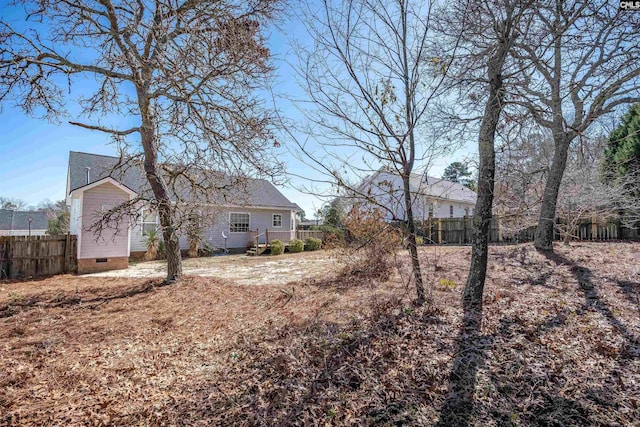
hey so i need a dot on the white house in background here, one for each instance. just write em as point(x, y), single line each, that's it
point(23, 223)
point(96, 184)
point(432, 197)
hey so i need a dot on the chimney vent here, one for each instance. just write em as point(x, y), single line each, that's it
point(88, 176)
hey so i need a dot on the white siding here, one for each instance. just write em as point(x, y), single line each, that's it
point(75, 216)
point(110, 243)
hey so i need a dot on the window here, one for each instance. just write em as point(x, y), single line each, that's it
point(238, 222)
point(466, 211)
point(277, 220)
point(148, 221)
point(451, 211)
point(430, 210)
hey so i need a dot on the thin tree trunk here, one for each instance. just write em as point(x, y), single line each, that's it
point(546, 222)
point(159, 188)
point(413, 250)
point(472, 295)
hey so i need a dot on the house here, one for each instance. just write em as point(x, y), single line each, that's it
point(23, 223)
point(97, 183)
point(432, 197)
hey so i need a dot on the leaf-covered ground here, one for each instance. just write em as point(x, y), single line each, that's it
point(560, 345)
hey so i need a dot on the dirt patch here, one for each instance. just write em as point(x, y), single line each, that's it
point(560, 347)
point(242, 269)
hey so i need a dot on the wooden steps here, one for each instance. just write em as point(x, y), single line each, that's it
point(257, 250)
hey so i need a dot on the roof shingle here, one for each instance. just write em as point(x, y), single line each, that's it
point(85, 168)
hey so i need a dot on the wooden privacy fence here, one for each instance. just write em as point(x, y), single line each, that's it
point(305, 234)
point(25, 256)
point(459, 231)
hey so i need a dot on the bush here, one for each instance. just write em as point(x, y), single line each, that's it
point(419, 240)
point(372, 243)
point(296, 245)
point(332, 234)
point(277, 247)
point(313, 244)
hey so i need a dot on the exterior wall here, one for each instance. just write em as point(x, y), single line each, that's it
point(91, 265)
point(109, 244)
point(260, 219)
point(219, 223)
point(442, 209)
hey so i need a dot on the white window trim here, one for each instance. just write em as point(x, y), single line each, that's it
point(240, 213)
point(451, 211)
point(273, 220)
point(142, 222)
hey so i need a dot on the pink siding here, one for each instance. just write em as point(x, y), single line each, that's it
point(109, 244)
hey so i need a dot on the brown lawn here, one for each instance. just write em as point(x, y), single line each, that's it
point(560, 345)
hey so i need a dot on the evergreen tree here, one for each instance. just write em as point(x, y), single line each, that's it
point(622, 155)
point(459, 172)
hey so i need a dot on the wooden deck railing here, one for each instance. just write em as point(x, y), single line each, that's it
point(285, 236)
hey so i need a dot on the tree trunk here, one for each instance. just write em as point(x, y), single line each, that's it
point(159, 188)
point(546, 222)
point(413, 250)
point(193, 249)
point(474, 288)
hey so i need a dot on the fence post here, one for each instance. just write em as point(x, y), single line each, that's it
point(499, 229)
point(594, 227)
point(439, 230)
point(266, 236)
point(464, 229)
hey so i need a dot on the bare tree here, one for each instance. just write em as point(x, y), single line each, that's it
point(13, 203)
point(578, 63)
point(181, 74)
point(370, 79)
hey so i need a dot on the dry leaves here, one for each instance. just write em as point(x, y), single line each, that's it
point(560, 346)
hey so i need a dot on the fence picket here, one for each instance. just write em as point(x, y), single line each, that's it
point(25, 256)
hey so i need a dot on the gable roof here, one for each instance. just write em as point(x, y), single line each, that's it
point(256, 192)
point(19, 220)
point(422, 185)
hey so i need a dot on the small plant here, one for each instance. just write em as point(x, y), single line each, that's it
point(277, 247)
point(448, 284)
point(419, 240)
point(312, 244)
point(15, 298)
point(152, 240)
point(296, 245)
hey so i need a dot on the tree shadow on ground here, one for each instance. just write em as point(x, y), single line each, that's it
point(309, 373)
point(593, 300)
point(458, 407)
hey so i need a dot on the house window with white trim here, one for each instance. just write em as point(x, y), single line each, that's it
point(430, 210)
point(277, 220)
point(238, 222)
point(148, 221)
point(450, 211)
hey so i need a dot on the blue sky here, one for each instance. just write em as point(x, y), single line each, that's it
point(34, 152)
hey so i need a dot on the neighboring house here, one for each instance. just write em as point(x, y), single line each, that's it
point(432, 197)
point(23, 223)
point(95, 184)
